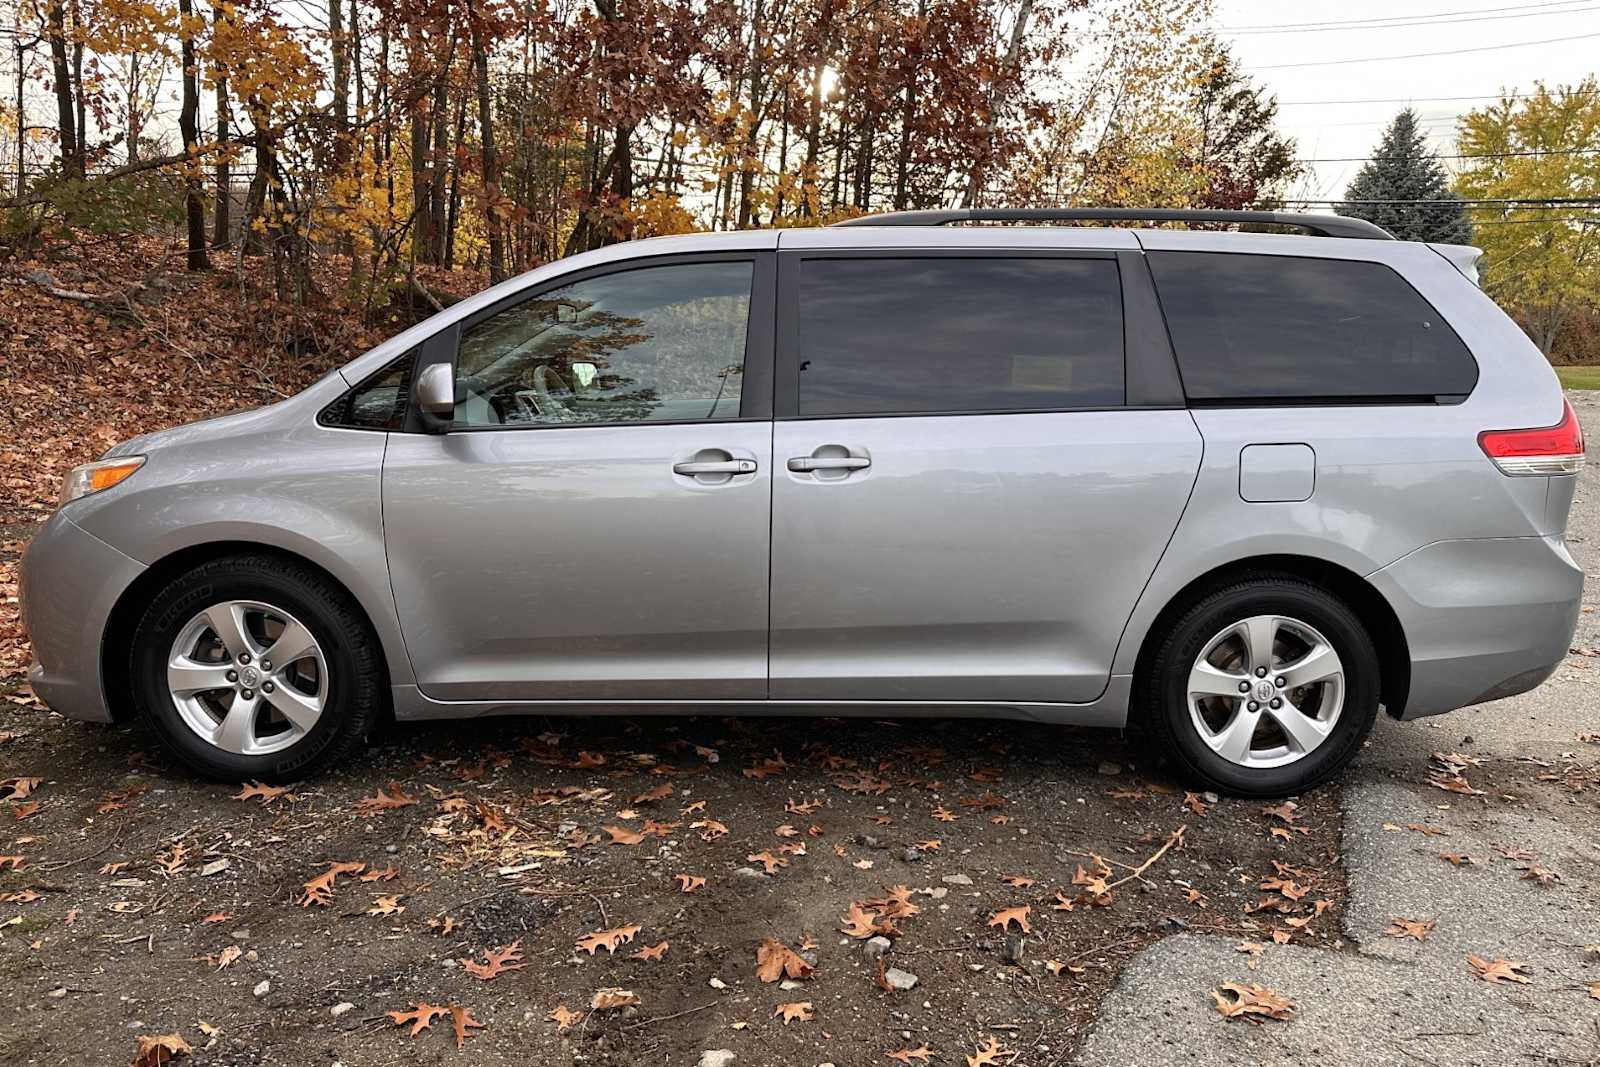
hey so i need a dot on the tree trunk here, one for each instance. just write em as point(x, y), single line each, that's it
point(438, 200)
point(490, 159)
point(255, 200)
point(188, 125)
point(908, 111)
point(222, 219)
point(747, 161)
point(809, 197)
point(61, 73)
point(1007, 71)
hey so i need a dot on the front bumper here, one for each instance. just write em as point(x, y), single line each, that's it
point(70, 581)
point(1485, 618)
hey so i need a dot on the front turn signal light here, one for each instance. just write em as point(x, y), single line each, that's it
point(97, 476)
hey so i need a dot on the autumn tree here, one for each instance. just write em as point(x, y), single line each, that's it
point(1541, 260)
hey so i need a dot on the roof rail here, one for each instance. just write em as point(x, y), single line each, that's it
point(1318, 225)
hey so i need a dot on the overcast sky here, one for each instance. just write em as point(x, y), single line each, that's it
point(1394, 28)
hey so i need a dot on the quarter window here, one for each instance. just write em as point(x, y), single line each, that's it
point(954, 334)
point(1261, 327)
point(379, 403)
point(653, 344)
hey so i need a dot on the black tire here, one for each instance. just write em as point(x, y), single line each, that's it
point(354, 697)
point(1161, 696)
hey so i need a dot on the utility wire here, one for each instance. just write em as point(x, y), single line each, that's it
point(1398, 23)
point(1395, 18)
point(1426, 55)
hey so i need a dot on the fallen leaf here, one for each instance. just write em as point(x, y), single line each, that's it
point(768, 860)
point(227, 956)
point(1427, 831)
point(1017, 881)
point(766, 768)
point(319, 890)
point(18, 788)
point(988, 1054)
point(421, 1016)
point(1006, 916)
point(216, 917)
point(463, 1022)
point(564, 1018)
point(710, 829)
point(774, 960)
point(906, 1055)
point(1499, 970)
point(159, 1050)
point(621, 835)
point(688, 883)
point(264, 793)
point(22, 811)
point(1193, 802)
point(496, 961)
point(1457, 858)
point(608, 939)
point(1285, 811)
point(396, 798)
point(1251, 1002)
point(387, 874)
point(1416, 929)
point(859, 923)
point(944, 814)
point(799, 1009)
point(1543, 875)
point(654, 952)
point(386, 906)
point(786, 831)
point(612, 997)
point(660, 792)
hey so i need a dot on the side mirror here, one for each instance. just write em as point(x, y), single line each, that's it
point(436, 390)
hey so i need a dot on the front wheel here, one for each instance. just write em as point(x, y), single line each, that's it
point(254, 667)
point(1264, 688)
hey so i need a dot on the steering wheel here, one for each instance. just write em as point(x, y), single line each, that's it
point(551, 392)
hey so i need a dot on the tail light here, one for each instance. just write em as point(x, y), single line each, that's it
point(1554, 449)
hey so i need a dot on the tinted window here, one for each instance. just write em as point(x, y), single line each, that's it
point(954, 334)
point(647, 345)
point(1261, 327)
point(379, 403)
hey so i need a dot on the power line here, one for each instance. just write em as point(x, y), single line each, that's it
point(1407, 21)
point(1475, 155)
point(1395, 18)
point(1426, 55)
point(1418, 99)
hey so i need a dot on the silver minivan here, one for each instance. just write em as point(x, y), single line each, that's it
point(1239, 489)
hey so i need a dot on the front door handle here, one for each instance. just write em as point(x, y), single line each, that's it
point(719, 466)
point(807, 464)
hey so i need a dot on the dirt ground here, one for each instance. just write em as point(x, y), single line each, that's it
point(137, 883)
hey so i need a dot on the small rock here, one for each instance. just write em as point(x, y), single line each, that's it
point(749, 872)
point(1013, 949)
point(262, 989)
point(1209, 797)
point(868, 841)
point(1108, 768)
point(391, 849)
point(214, 867)
point(716, 1057)
point(717, 983)
point(1175, 924)
point(57, 993)
point(912, 855)
point(788, 984)
point(956, 879)
point(875, 947)
point(340, 1008)
point(898, 979)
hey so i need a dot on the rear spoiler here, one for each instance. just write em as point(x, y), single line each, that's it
point(1463, 258)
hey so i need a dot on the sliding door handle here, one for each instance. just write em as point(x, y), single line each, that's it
point(806, 464)
point(716, 466)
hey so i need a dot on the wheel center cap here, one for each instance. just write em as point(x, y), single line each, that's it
point(1265, 690)
point(250, 677)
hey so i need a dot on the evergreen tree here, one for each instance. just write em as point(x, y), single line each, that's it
point(1404, 168)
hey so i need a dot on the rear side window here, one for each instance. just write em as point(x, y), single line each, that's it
point(1259, 327)
point(952, 334)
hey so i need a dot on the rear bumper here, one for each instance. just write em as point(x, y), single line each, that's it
point(1485, 619)
point(70, 581)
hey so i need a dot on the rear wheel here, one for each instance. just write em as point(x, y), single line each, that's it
point(253, 667)
point(1266, 687)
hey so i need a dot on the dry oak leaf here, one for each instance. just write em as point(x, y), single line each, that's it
point(710, 829)
point(654, 952)
point(988, 1054)
point(786, 831)
point(906, 1055)
point(387, 874)
point(799, 1009)
point(18, 788)
point(22, 811)
point(386, 906)
point(608, 939)
point(944, 814)
point(649, 796)
point(421, 1016)
point(1457, 858)
point(1499, 970)
point(621, 835)
point(860, 923)
point(1063, 902)
point(688, 883)
point(159, 1050)
point(802, 809)
point(226, 956)
point(1533, 872)
point(564, 1018)
point(768, 860)
point(395, 798)
point(766, 768)
point(1594, 990)
point(216, 917)
point(1285, 811)
point(462, 1022)
point(496, 961)
point(1193, 802)
point(264, 793)
point(319, 890)
point(1055, 967)
point(1251, 1002)
point(776, 960)
point(1017, 881)
point(612, 997)
point(1006, 916)
point(1416, 929)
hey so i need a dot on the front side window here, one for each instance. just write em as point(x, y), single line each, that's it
point(956, 334)
point(1250, 327)
point(655, 344)
point(379, 403)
